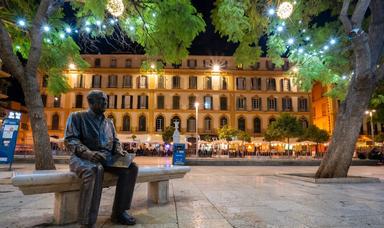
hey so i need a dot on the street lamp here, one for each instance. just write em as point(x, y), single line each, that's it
point(197, 125)
point(370, 113)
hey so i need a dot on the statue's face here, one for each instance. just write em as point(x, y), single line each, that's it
point(99, 104)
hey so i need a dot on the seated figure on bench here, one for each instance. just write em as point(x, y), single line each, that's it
point(91, 138)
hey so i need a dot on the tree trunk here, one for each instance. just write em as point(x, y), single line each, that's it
point(41, 142)
point(338, 158)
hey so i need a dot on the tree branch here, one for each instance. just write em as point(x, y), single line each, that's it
point(344, 18)
point(6, 54)
point(376, 30)
point(359, 12)
point(46, 8)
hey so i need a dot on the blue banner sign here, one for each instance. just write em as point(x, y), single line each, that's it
point(8, 137)
point(178, 154)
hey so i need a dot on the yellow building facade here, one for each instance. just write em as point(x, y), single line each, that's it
point(144, 104)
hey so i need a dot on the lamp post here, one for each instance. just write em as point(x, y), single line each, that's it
point(370, 113)
point(197, 127)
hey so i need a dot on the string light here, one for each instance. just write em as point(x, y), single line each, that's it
point(98, 23)
point(332, 42)
point(62, 35)
point(46, 28)
point(68, 30)
point(115, 7)
point(87, 29)
point(21, 23)
point(280, 28)
point(271, 11)
point(307, 38)
point(285, 10)
point(291, 41)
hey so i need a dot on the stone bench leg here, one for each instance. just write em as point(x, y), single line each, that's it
point(65, 208)
point(158, 192)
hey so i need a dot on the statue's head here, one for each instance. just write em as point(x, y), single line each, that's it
point(97, 101)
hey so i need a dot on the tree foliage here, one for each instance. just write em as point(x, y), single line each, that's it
point(314, 134)
point(244, 136)
point(286, 126)
point(227, 133)
point(167, 134)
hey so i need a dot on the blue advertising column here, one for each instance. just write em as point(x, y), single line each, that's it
point(8, 137)
point(178, 154)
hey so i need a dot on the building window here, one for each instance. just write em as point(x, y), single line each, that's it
point(126, 123)
point(191, 102)
point(44, 99)
point(256, 103)
point(97, 62)
point(96, 81)
point(285, 85)
point(208, 103)
point(241, 83)
point(127, 101)
point(112, 81)
point(176, 102)
point(256, 83)
point(270, 65)
point(127, 81)
point(208, 82)
point(142, 82)
point(271, 84)
point(192, 63)
point(45, 81)
point(176, 66)
point(79, 81)
point(112, 101)
point(142, 123)
point(192, 82)
point(176, 82)
point(304, 122)
point(56, 101)
point(55, 121)
point(128, 63)
point(79, 101)
point(142, 102)
point(303, 104)
point(287, 104)
point(223, 103)
point(241, 103)
point(207, 123)
point(159, 124)
point(161, 82)
point(224, 83)
point(256, 125)
point(223, 121)
point(174, 119)
point(160, 102)
point(272, 104)
point(113, 62)
point(191, 124)
point(241, 124)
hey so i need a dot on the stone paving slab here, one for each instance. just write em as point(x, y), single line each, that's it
point(227, 197)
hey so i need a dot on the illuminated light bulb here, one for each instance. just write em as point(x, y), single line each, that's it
point(301, 50)
point(344, 77)
point(295, 69)
point(285, 10)
point(152, 66)
point(291, 41)
point(68, 30)
point(87, 29)
point(326, 47)
point(271, 12)
point(62, 35)
point(104, 26)
point(216, 68)
point(98, 23)
point(115, 7)
point(307, 38)
point(304, 30)
point(21, 22)
point(18, 47)
point(112, 21)
point(300, 22)
point(131, 28)
point(153, 14)
point(332, 42)
point(280, 28)
point(56, 98)
point(72, 66)
point(46, 28)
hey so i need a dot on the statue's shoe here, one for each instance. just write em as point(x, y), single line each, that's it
point(124, 219)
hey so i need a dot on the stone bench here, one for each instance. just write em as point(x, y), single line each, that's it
point(66, 186)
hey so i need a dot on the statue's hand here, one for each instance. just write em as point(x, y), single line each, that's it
point(97, 157)
point(122, 153)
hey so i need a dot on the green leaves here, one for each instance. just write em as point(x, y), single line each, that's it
point(286, 126)
point(314, 134)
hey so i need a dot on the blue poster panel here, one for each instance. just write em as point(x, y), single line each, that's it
point(8, 137)
point(178, 154)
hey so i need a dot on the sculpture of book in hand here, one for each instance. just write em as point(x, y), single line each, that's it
point(121, 161)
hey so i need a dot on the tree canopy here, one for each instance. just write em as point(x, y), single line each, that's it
point(286, 126)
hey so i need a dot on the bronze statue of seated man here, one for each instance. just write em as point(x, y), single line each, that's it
point(92, 140)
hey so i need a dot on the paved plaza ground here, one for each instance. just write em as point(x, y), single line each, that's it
point(224, 196)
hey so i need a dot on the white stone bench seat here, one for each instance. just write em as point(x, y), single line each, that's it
point(66, 186)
